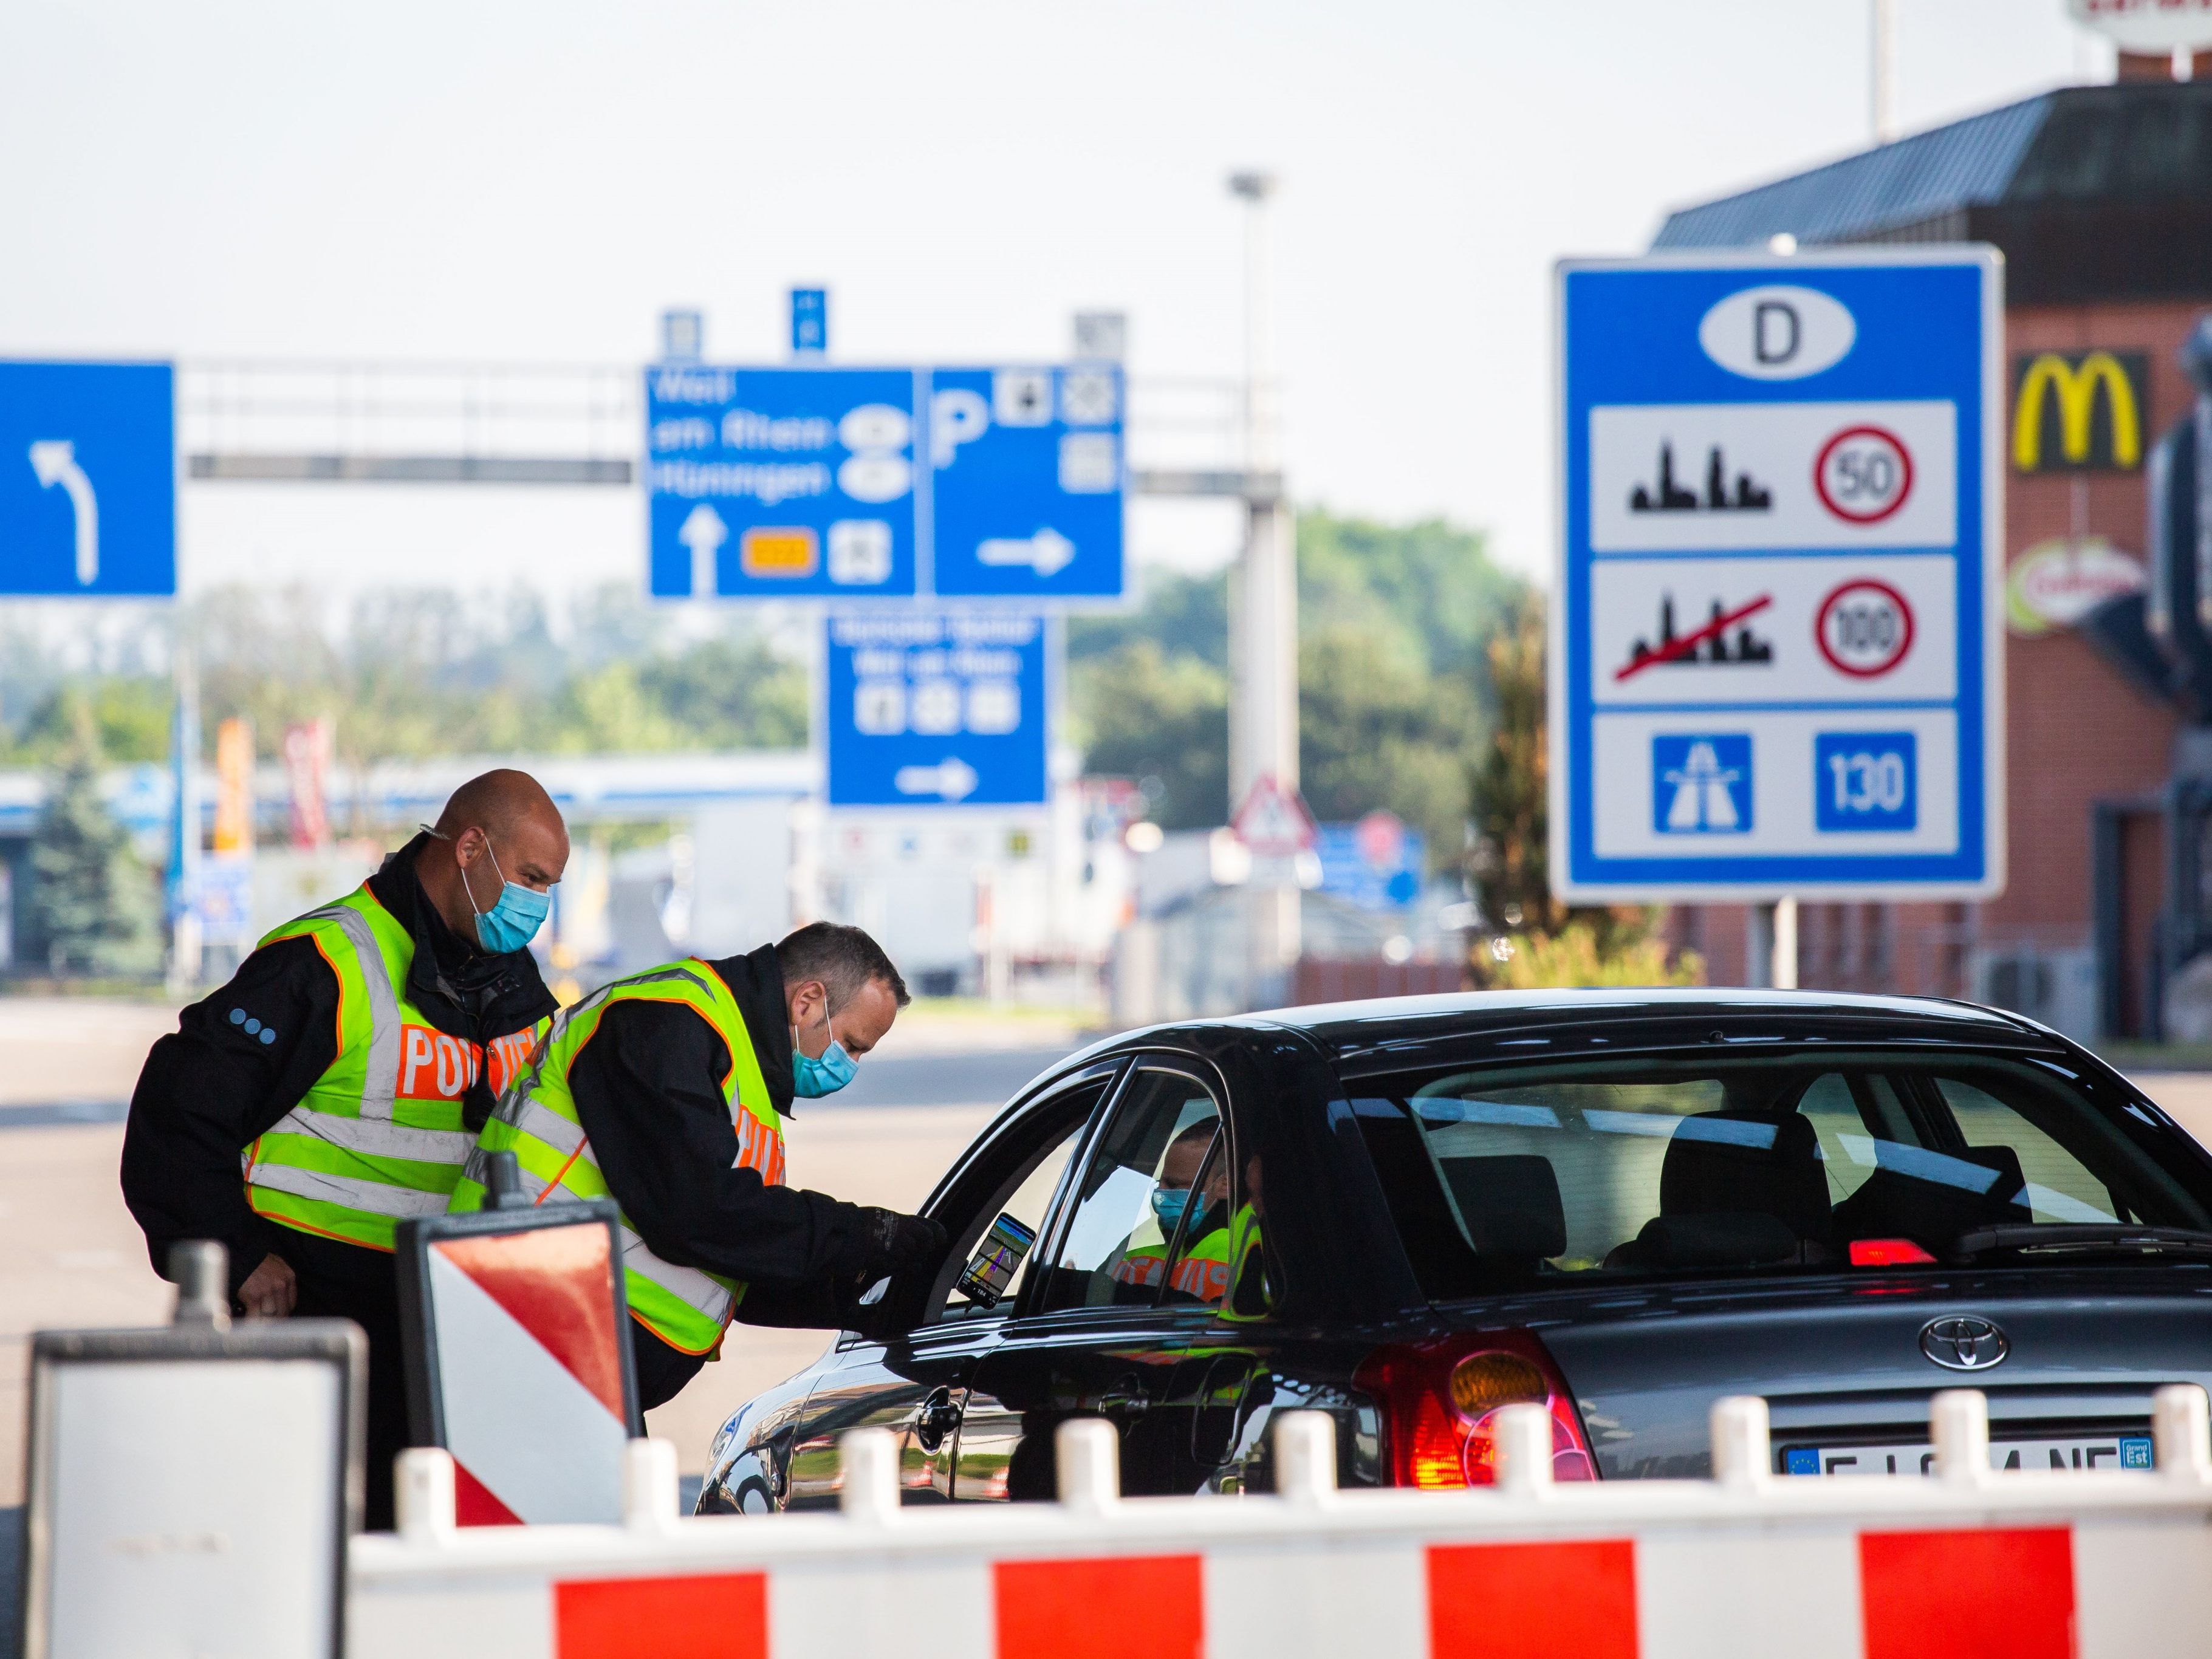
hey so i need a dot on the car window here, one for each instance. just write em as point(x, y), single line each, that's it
point(1023, 1193)
point(2056, 1185)
point(1155, 1191)
point(1778, 1163)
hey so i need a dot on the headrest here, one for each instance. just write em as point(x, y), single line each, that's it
point(1742, 1239)
point(1736, 1162)
point(1511, 1204)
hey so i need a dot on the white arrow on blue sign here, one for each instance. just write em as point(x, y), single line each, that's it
point(1027, 497)
point(88, 479)
point(1778, 662)
point(936, 708)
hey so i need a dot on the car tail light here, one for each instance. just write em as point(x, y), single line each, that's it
point(1887, 1253)
point(1440, 1401)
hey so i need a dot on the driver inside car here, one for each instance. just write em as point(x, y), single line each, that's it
point(1192, 1195)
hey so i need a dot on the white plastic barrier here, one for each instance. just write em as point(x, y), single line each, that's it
point(1968, 1564)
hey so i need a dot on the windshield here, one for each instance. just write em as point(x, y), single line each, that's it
point(1778, 1161)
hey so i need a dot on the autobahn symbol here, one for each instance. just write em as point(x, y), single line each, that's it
point(1864, 474)
point(1863, 627)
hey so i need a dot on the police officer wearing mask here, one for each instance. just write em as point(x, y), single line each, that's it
point(344, 1073)
point(669, 1091)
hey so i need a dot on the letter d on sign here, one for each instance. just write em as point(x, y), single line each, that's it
point(1777, 333)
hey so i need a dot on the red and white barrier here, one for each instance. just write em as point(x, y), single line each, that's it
point(1968, 1563)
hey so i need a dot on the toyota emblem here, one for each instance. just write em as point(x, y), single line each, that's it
point(1963, 1342)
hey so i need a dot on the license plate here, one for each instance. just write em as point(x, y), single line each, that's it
point(2123, 1451)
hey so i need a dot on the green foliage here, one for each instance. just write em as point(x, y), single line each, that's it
point(1375, 729)
point(1393, 686)
point(1508, 803)
point(417, 673)
point(1543, 943)
point(93, 905)
point(1589, 950)
point(1165, 720)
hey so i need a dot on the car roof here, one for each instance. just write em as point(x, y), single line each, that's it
point(1518, 1021)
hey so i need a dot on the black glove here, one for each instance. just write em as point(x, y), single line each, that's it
point(891, 1243)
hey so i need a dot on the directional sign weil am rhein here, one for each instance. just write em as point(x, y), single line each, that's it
point(1776, 664)
point(986, 483)
point(936, 708)
point(782, 482)
point(88, 479)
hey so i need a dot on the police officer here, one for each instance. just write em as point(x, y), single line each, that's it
point(344, 1071)
point(670, 1090)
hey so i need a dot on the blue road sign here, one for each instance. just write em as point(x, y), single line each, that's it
point(810, 321)
point(1026, 501)
point(1779, 666)
point(781, 483)
point(88, 479)
point(936, 708)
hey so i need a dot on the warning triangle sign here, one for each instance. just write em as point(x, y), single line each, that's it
point(1274, 822)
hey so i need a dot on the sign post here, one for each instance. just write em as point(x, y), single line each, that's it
point(1777, 667)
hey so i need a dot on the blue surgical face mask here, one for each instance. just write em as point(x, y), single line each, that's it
point(1171, 1204)
point(813, 1076)
point(514, 918)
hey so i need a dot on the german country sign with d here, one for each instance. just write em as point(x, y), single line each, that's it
point(1776, 657)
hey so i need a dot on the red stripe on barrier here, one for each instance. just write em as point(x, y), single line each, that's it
point(1489, 1600)
point(721, 1615)
point(475, 1504)
point(557, 1282)
point(1999, 1594)
point(1128, 1607)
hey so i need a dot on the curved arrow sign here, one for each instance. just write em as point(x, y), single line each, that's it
point(54, 459)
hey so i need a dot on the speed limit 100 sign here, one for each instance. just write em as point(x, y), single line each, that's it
point(1864, 627)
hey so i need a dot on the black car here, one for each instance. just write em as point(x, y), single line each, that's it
point(1622, 1205)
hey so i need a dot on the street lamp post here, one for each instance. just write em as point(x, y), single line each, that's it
point(1263, 641)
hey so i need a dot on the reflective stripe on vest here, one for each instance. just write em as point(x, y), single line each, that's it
point(1202, 1271)
point(379, 1135)
point(537, 1121)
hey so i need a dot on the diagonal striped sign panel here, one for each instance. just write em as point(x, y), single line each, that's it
point(529, 1344)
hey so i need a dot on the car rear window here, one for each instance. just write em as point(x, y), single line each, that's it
point(1779, 1162)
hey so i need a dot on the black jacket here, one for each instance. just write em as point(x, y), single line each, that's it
point(648, 1088)
point(208, 1090)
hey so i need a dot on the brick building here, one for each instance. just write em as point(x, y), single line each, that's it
point(2101, 200)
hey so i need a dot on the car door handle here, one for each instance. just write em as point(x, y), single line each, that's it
point(1127, 1396)
point(940, 1416)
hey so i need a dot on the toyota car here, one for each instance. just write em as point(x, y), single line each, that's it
point(1619, 1206)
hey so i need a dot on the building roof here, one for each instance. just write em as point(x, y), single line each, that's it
point(2092, 192)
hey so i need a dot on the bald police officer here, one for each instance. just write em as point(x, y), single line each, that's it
point(336, 1084)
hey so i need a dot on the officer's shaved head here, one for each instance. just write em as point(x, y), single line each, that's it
point(499, 827)
point(499, 803)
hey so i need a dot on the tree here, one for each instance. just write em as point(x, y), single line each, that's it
point(93, 904)
point(1539, 941)
point(1393, 685)
point(1375, 730)
point(1163, 721)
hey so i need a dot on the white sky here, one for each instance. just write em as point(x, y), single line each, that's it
point(534, 182)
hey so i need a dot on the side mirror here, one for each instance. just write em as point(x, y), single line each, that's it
point(997, 1257)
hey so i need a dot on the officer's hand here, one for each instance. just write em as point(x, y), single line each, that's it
point(270, 1290)
point(895, 1243)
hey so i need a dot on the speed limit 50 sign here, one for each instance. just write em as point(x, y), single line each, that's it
point(1777, 642)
